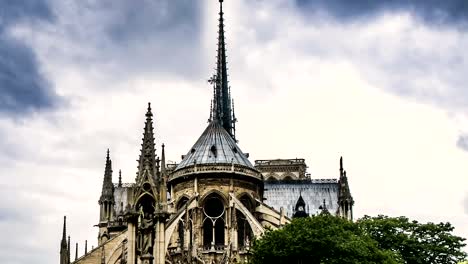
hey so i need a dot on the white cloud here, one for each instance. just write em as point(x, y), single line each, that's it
point(378, 92)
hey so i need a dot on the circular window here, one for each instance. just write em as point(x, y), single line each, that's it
point(146, 186)
point(213, 207)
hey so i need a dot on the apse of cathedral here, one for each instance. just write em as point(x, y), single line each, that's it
point(209, 206)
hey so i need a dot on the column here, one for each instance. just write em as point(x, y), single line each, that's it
point(131, 243)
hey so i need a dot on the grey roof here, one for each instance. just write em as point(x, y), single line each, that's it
point(313, 192)
point(215, 146)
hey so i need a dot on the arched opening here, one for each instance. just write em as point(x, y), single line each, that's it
point(247, 202)
point(182, 202)
point(146, 204)
point(244, 232)
point(213, 222)
point(271, 179)
point(288, 179)
point(207, 233)
point(180, 228)
point(145, 229)
point(219, 232)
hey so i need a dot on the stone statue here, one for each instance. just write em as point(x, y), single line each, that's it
point(146, 228)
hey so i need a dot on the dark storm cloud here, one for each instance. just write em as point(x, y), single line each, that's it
point(169, 30)
point(432, 11)
point(124, 38)
point(462, 142)
point(152, 17)
point(13, 10)
point(23, 87)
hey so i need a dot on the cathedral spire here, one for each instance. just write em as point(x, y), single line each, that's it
point(106, 201)
point(64, 234)
point(147, 160)
point(63, 244)
point(222, 104)
point(345, 199)
point(163, 178)
point(107, 185)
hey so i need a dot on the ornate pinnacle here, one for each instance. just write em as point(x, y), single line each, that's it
point(221, 104)
point(69, 249)
point(163, 160)
point(107, 185)
point(120, 179)
point(341, 166)
point(149, 115)
point(147, 160)
point(64, 235)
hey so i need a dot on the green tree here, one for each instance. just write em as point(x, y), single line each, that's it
point(319, 239)
point(415, 242)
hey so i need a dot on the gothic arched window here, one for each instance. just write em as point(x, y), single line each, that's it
point(213, 222)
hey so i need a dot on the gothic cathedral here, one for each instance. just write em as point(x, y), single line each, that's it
point(209, 206)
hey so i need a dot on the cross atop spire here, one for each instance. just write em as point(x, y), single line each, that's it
point(222, 111)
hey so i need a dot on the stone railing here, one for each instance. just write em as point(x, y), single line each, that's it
point(215, 168)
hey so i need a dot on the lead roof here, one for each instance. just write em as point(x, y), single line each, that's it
point(313, 192)
point(215, 146)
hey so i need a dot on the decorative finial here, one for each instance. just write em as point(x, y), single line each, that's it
point(163, 159)
point(120, 178)
point(69, 249)
point(86, 247)
point(64, 235)
point(148, 112)
point(76, 252)
point(341, 166)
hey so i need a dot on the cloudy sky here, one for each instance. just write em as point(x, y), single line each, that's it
point(382, 83)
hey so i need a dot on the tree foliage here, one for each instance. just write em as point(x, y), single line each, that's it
point(319, 239)
point(327, 239)
point(415, 242)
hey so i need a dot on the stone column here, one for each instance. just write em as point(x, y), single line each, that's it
point(131, 242)
point(162, 241)
point(159, 248)
point(196, 228)
point(185, 246)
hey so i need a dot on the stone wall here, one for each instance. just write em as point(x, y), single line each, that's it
point(112, 250)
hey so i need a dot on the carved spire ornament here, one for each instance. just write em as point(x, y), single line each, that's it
point(147, 160)
point(64, 249)
point(106, 201)
point(221, 110)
